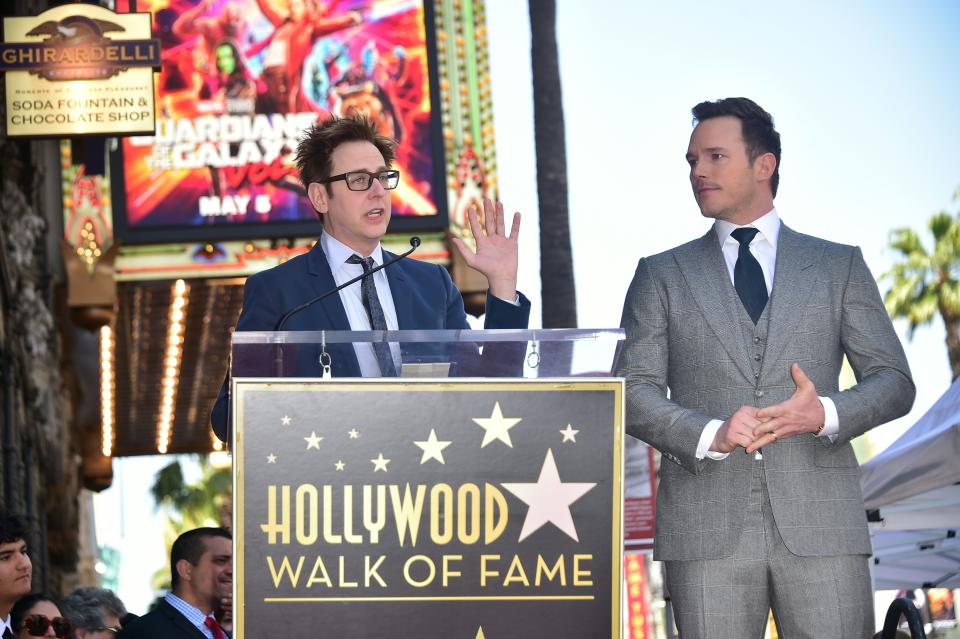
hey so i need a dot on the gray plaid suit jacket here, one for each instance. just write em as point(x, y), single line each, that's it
point(685, 332)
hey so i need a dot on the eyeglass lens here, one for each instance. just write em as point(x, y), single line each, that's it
point(361, 181)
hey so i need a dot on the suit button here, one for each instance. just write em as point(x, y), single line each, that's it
point(758, 394)
point(756, 357)
point(756, 340)
point(756, 375)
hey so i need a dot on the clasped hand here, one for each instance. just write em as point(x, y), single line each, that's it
point(752, 428)
point(496, 255)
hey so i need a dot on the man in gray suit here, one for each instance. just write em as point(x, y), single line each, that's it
point(759, 505)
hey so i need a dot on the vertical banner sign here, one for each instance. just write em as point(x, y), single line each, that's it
point(637, 611)
point(79, 69)
point(455, 509)
point(639, 504)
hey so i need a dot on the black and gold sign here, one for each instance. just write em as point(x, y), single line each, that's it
point(428, 509)
point(79, 69)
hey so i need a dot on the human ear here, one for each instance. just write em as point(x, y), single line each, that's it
point(318, 196)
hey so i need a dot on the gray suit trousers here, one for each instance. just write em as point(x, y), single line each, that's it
point(811, 597)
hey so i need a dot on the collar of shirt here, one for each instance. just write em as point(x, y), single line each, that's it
point(5, 624)
point(338, 253)
point(193, 614)
point(763, 246)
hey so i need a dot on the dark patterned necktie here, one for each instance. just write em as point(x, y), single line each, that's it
point(748, 276)
point(371, 302)
point(7, 634)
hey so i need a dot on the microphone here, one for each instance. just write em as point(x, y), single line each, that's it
point(414, 244)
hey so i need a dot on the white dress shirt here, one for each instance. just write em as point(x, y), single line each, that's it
point(4, 625)
point(337, 255)
point(764, 248)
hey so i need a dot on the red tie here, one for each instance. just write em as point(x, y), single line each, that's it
point(215, 628)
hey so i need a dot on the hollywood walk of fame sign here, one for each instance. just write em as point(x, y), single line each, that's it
point(454, 509)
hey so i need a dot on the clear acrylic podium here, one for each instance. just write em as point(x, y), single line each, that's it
point(477, 494)
point(543, 353)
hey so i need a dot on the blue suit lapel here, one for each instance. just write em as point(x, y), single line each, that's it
point(329, 314)
point(335, 318)
point(402, 294)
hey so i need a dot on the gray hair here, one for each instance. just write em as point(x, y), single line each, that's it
point(86, 607)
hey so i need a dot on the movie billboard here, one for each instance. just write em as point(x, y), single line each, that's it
point(240, 81)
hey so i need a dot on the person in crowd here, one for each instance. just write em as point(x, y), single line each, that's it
point(201, 572)
point(37, 615)
point(94, 613)
point(16, 570)
point(345, 167)
point(759, 504)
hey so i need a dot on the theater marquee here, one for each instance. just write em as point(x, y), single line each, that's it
point(460, 509)
point(79, 69)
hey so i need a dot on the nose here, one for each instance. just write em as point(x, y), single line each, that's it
point(698, 169)
point(376, 189)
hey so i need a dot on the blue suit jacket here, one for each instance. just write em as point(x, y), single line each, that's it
point(424, 295)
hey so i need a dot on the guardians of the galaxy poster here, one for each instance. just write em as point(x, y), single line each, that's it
point(241, 79)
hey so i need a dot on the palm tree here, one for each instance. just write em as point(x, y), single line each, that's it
point(925, 283)
point(206, 502)
point(559, 299)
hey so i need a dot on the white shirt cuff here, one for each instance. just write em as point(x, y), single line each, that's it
point(706, 438)
point(831, 421)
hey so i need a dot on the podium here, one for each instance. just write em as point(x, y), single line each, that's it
point(476, 495)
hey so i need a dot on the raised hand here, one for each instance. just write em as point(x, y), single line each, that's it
point(496, 255)
point(802, 413)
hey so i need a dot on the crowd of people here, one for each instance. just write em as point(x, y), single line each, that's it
point(199, 603)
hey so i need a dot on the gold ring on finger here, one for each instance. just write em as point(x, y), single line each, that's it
point(773, 434)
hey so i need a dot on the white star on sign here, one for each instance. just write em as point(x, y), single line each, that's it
point(313, 441)
point(549, 500)
point(432, 448)
point(271, 459)
point(340, 465)
point(569, 434)
point(496, 426)
point(285, 420)
point(354, 433)
point(380, 463)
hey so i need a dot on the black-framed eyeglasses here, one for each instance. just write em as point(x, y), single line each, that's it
point(363, 180)
point(36, 626)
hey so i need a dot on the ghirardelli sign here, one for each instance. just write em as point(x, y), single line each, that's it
point(456, 509)
point(79, 69)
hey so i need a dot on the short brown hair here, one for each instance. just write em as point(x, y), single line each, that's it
point(316, 147)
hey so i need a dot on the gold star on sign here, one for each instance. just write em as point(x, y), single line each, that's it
point(313, 441)
point(432, 448)
point(569, 434)
point(271, 459)
point(380, 463)
point(285, 420)
point(496, 426)
point(340, 465)
point(354, 433)
point(549, 500)
point(480, 634)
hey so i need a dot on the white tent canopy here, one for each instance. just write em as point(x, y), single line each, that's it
point(914, 487)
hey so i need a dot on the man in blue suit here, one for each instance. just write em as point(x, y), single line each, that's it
point(345, 167)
